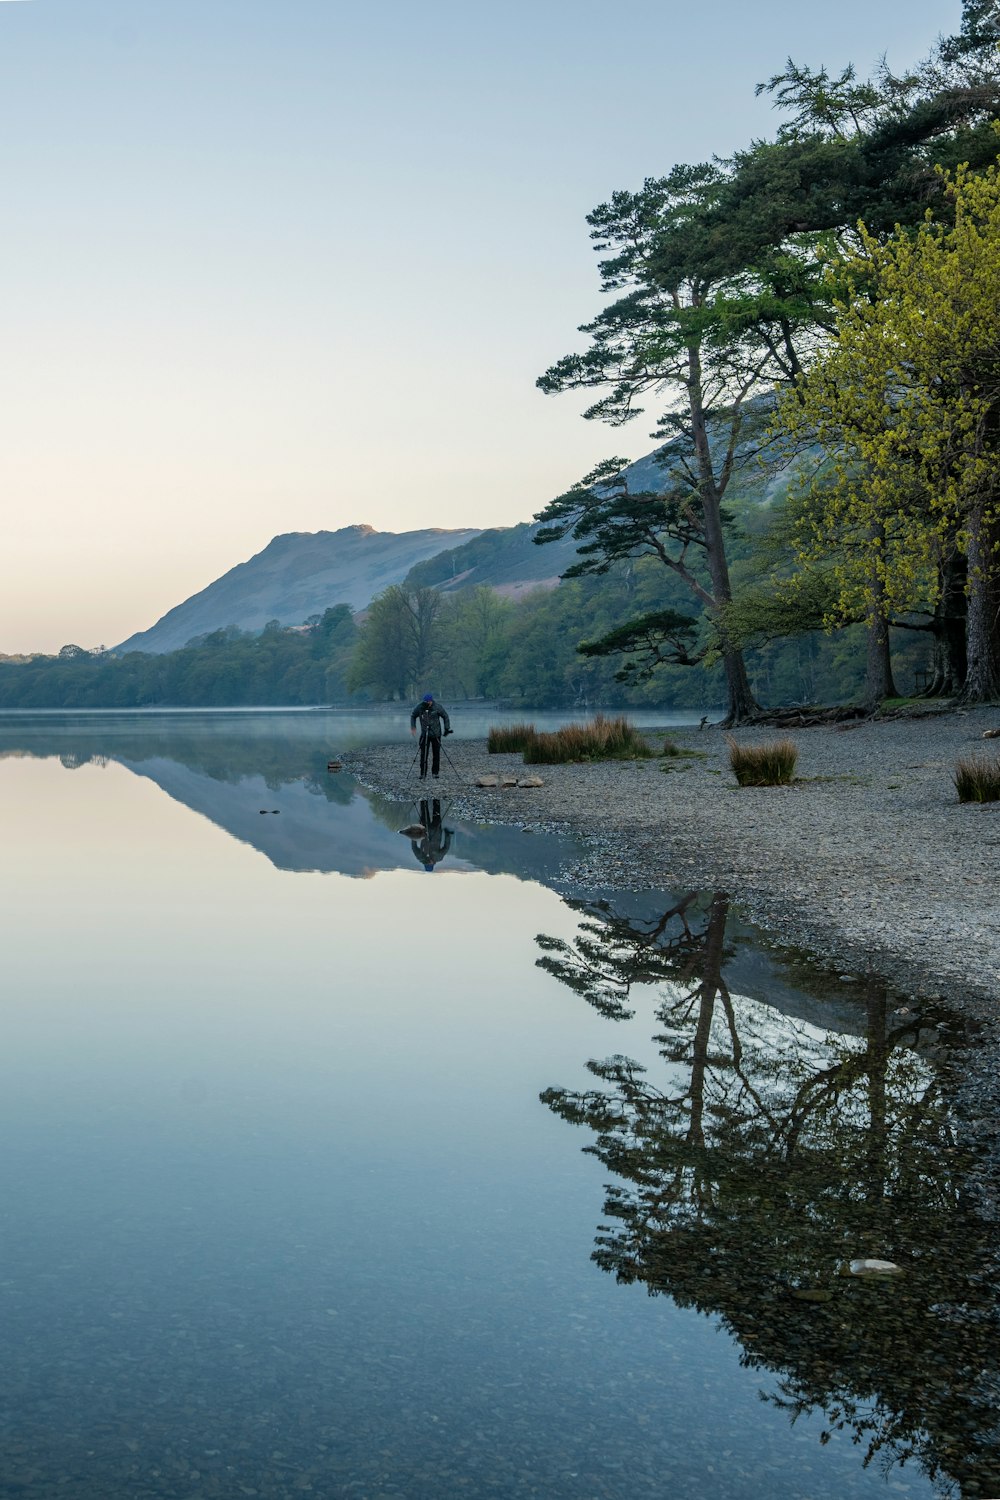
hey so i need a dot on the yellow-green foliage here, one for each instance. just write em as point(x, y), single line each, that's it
point(601, 739)
point(770, 764)
point(904, 405)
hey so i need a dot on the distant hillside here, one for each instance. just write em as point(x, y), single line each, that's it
point(297, 575)
point(504, 557)
point(507, 558)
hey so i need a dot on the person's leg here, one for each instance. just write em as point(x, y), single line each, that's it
point(423, 755)
point(436, 766)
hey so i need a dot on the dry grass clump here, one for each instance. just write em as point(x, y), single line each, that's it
point(770, 764)
point(601, 739)
point(977, 778)
point(509, 739)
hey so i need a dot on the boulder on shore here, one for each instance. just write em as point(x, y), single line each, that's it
point(487, 781)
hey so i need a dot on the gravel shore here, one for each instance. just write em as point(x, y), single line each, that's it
point(868, 859)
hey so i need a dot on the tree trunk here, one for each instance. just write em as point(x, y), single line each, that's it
point(982, 681)
point(949, 626)
point(879, 683)
point(741, 702)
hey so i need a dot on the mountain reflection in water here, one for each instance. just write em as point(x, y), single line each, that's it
point(767, 1155)
point(231, 768)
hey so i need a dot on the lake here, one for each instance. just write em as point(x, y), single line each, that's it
point(321, 1177)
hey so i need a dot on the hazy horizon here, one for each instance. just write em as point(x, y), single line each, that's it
point(280, 268)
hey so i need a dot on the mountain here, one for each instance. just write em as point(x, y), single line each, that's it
point(504, 557)
point(298, 574)
point(507, 559)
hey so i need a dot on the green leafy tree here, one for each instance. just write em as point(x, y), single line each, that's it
point(907, 400)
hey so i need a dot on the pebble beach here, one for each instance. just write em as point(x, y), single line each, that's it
point(868, 858)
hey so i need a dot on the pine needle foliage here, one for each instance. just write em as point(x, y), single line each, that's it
point(977, 778)
point(770, 764)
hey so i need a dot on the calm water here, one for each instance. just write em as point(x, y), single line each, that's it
point(321, 1177)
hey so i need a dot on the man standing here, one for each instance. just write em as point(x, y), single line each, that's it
point(432, 717)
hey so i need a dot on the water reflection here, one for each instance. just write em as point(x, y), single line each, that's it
point(231, 768)
point(766, 1155)
point(432, 847)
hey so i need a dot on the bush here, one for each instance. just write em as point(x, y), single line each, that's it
point(670, 749)
point(770, 764)
point(977, 778)
point(508, 739)
point(601, 739)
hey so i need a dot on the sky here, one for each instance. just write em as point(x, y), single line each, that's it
point(291, 265)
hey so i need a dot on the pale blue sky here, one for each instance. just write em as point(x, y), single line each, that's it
point(284, 265)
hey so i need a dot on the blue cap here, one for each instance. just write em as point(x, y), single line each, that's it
point(428, 698)
point(429, 867)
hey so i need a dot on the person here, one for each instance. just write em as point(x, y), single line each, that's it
point(432, 716)
point(436, 842)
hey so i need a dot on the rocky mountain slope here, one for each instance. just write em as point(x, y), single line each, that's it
point(298, 574)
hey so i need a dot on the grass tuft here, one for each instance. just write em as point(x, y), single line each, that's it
point(977, 778)
point(770, 764)
point(509, 739)
point(601, 739)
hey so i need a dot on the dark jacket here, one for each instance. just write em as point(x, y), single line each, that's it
point(431, 716)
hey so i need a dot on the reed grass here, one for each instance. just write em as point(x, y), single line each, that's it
point(977, 778)
point(509, 739)
point(770, 764)
point(601, 739)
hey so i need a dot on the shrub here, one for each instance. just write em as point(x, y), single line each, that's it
point(977, 778)
point(601, 739)
point(670, 749)
point(770, 764)
point(508, 739)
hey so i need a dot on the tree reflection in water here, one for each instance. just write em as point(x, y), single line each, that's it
point(766, 1157)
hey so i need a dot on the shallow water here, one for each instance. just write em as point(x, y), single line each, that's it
point(291, 1202)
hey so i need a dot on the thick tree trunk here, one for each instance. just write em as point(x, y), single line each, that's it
point(741, 702)
point(879, 683)
point(949, 626)
point(982, 681)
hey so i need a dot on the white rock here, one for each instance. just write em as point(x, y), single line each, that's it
point(486, 781)
point(875, 1268)
point(531, 781)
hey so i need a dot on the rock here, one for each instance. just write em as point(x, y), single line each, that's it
point(487, 781)
point(874, 1268)
point(991, 734)
point(508, 781)
point(812, 1294)
point(531, 781)
point(413, 831)
point(335, 765)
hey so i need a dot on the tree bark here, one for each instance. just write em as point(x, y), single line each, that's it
point(948, 627)
point(982, 681)
point(879, 683)
point(741, 702)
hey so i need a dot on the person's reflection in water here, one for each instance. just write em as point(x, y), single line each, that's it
point(432, 848)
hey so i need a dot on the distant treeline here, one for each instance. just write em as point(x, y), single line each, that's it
point(470, 644)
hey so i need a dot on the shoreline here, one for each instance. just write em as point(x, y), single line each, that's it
point(868, 860)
